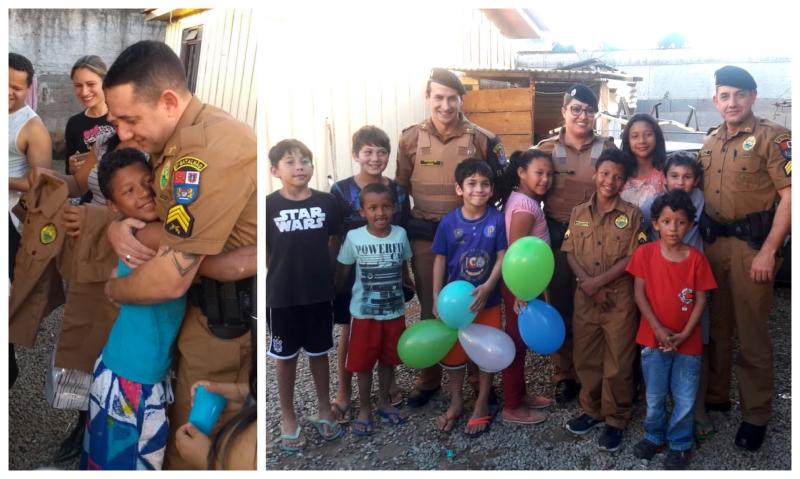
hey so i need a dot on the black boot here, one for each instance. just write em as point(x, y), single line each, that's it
point(71, 446)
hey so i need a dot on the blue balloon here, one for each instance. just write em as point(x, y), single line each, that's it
point(453, 304)
point(541, 327)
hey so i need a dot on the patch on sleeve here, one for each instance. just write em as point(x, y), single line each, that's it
point(164, 177)
point(179, 221)
point(784, 143)
point(500, 152)
point(566, 234)
point(787, 168)
point(186, 179)
point(48, 233)
point(641, 238)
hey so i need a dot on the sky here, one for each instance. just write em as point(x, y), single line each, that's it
point(766, 26)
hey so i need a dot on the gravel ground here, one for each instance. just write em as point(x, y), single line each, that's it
point(418, 445)
point(35, 429)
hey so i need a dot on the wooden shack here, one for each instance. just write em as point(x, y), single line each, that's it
point(523, 105)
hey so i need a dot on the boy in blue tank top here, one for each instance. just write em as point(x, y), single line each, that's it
point(127, 426)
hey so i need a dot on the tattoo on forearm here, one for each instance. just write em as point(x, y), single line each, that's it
point(184, 262)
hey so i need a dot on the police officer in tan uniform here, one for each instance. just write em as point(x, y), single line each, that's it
point(747, 169)
point(204, 176)
point(575, 150)
point(427, 157)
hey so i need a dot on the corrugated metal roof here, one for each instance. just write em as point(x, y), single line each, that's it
point(543, 74)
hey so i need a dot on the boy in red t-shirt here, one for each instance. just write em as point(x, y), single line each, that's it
point(671, 280)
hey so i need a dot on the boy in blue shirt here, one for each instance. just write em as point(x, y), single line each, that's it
point(127, 426)
point(380, 252)
point(469, 245)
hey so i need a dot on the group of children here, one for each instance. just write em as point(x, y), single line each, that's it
point(666, 279)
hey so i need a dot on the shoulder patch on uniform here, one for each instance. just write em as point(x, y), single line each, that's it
point(566, 234)
point(784, 142)
point(782, 137)
point(621, 221)
point(641, 237)
point(179, 221)
point(500, 152)
point(48, 233)
point(787, 168)
point(186, 179)
point(749, 143)
point(190, 161)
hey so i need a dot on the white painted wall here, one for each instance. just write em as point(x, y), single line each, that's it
point(226, 77)
point(334, 70)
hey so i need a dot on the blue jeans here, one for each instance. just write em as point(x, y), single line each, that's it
point(678, 374)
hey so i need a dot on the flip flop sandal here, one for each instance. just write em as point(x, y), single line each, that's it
point(704, 430)
point(448, 420)
point(398, 399)
point(337, 430)
point(343, 416)
point(362, 427)
point(392, 417)
point(288, 439)
point(477, 421)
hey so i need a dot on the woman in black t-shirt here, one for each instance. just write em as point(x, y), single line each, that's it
point(84, 128)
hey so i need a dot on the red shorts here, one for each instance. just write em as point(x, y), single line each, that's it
point(373, 340)
point(457, 358)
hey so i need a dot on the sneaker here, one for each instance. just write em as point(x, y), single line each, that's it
point(566, 391)
point(750, 437)
point(676, 460)
point(645, 449)
point(611, 439)
point(582, 424)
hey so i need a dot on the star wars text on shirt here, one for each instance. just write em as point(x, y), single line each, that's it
point(300, 219)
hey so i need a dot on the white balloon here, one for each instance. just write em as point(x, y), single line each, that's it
point(490, 348)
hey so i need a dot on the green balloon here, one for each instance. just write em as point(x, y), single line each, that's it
point(528, 267)
point(425, 343)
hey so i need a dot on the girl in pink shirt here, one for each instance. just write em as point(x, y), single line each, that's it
point(522, 188)
point(643, 139)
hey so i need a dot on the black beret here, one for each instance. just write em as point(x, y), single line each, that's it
point(736, 77)
point(448, 79)
point(582, 93)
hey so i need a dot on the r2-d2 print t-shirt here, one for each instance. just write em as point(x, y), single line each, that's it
point(299, 270)
point(471, 247)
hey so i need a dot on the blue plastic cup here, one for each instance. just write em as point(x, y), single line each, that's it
point(206, 409)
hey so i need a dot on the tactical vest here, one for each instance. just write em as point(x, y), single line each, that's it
point(433, 180)
point(573, 183)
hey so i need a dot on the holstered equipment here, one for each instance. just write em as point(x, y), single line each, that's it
point(228, 307)
point(752, 229)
